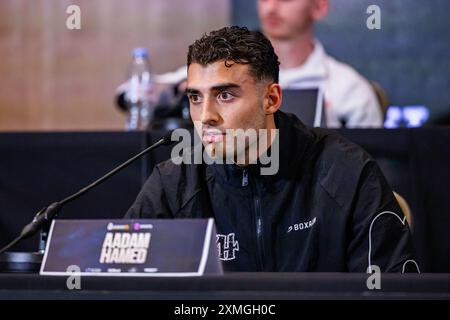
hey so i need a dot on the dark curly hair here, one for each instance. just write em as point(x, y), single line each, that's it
point(239, 45)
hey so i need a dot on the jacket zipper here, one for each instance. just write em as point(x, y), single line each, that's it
point(258, 218)
point(259, 232)
point(244, 178)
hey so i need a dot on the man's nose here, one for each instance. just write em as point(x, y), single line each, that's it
point(209, 114)
point(268, 6)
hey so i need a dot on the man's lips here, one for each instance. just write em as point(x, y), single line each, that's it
point(272, 21)
point(213, 136)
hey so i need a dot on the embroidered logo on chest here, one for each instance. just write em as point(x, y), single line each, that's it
point(302, 225)
point(227, 246)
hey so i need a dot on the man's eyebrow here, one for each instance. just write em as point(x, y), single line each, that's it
point(219, 87)
point(192, 91)
point(224, 86)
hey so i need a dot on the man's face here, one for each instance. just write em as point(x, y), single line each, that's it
point(224, 98)
point(285, 19)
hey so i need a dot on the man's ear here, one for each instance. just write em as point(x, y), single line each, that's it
point(320, 9)
point(273, 98)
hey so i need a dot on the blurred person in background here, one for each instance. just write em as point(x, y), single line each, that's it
point(350, 100)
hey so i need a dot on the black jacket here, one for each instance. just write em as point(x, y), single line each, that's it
point(315, 214)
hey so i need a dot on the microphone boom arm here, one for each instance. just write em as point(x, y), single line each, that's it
point(47, 214)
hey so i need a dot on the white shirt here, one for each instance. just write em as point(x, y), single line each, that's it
point(348, 96)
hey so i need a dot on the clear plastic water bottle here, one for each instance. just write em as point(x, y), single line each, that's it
point(140, 96)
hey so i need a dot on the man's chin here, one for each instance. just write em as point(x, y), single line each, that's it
point(279, 33)
point(214, 150)
point(218, 153)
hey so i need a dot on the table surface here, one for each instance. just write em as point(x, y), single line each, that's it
point(247, 286)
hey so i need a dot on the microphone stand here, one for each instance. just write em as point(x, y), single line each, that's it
point(30, 261)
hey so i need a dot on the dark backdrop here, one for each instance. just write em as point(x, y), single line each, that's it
point(37, 169)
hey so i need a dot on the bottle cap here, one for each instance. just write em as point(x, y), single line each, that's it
point(140, 52)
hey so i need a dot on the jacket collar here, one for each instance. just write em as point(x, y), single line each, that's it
point(314, 68)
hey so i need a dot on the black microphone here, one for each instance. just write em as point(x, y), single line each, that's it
point(47, 214)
